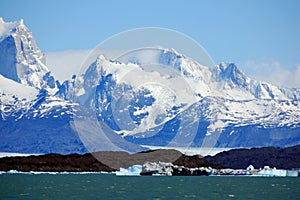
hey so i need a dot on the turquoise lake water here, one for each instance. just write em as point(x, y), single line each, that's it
point(108, 186)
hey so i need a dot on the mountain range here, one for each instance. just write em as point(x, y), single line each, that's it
point(148, 97)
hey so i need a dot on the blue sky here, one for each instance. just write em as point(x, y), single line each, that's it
point(262, 34)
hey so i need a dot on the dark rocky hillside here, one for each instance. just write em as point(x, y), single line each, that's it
point(54, 163)
point(100, 161)
point(281, 158)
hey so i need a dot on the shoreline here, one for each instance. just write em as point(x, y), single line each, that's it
point(12, 172)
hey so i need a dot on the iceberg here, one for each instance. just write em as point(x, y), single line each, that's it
point(158, 168)
point(134, 170)
point(267, 171)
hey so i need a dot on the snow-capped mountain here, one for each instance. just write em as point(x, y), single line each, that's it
point(20, 58)
point(224, 101)
point(150, 96)
point(32, 119)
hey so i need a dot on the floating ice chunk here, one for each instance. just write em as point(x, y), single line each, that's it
point(134, 170)
point(267, 171)
point(250, 168)
point(158, 168)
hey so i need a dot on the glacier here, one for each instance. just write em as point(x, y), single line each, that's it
point(151, 97)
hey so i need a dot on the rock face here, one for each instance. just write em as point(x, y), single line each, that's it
point(281, 158)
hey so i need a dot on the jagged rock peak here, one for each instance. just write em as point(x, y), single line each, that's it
point(20, 57)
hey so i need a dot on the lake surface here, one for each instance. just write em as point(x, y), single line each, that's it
point(109, 186)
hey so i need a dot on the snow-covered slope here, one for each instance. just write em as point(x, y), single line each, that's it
point(20, 58)
point(14, 95)
point(10, 88)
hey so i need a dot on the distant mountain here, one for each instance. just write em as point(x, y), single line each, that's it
point(243, 111)
point(153, 96)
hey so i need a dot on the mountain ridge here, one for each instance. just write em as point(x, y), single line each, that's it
point(184, 105)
